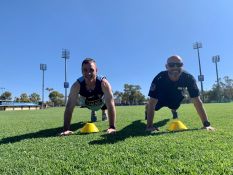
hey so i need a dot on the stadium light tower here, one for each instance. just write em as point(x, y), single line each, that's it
point(43, 67)
point(198, 45)
point(216, 59)
point(65, 55)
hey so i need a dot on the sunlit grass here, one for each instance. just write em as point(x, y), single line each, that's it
point(29, 143)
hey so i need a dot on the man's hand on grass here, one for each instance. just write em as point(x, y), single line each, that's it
point(151, 129)
point(209, 128)
point(66, 133)
point(111, 131)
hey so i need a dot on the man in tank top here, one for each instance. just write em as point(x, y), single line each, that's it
point(95, 94)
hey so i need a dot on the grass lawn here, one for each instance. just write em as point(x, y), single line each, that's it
point(29, 143)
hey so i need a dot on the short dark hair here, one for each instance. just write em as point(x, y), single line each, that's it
point(88, 60)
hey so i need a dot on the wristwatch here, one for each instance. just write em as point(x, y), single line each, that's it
point(206, 123)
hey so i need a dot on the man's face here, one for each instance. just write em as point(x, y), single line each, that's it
point(89, 71)
point(174, 67)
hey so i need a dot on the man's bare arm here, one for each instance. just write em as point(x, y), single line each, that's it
point(150, 114)
point(70, 105)
point(109, 100)
point(202, 113)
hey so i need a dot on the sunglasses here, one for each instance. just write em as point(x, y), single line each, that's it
point(175, 64)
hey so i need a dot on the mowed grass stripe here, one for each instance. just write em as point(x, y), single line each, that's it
point(29, 143)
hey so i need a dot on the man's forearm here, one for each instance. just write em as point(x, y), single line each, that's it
point(112, 115)
point(150, 116)
point(151, 111)
point(200, 110)
point(67, 120)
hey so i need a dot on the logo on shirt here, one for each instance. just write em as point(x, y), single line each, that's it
point(180, 88)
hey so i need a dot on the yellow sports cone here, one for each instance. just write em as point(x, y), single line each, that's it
point(176, 125)
point(89, 128)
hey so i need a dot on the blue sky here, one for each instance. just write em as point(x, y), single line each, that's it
point(129, 39)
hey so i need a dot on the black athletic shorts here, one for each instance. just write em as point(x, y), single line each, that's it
point(171, 105)
point(104, 107)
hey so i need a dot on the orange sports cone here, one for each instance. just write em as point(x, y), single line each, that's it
point(176, 125)
point(89, 128)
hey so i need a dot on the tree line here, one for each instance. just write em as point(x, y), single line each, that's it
point(131, 95)
point(55, 98)
point(221, 92)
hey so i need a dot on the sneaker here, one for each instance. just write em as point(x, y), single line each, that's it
point(104, 117)
point(93, 116)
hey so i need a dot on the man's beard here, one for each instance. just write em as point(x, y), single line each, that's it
point(89, 77)
point(174, 73)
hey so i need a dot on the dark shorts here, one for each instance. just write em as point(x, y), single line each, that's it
point(104, 107)
point(165, 100)
point(170, 104)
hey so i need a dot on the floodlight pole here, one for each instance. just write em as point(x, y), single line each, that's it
point(43, 67)
point(198, 45)
point(65, 55)
point(216, 59)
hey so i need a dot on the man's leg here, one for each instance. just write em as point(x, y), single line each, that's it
point(104, 113)
point(93, 116)
point(174, 108)
point(174, 114)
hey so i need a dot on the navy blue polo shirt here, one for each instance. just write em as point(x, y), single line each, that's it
point(167, 91)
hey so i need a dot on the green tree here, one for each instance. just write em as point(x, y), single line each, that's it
point(211, 95)
point(49, 89)
point(222, 92)
point(34, 97)
point(24, 98)
point(132, 95)
point(57, 98)
point(226, 89)
point(49, 103)
point(17, 99)
point(6, 96)
point(118, 97)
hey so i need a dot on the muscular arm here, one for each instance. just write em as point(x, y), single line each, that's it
point(108, 95)
point(201, 112)
point(200, 109)
point(70, 105)
point(150, 112)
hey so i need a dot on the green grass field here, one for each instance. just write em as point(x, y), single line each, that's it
point(29, 143)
